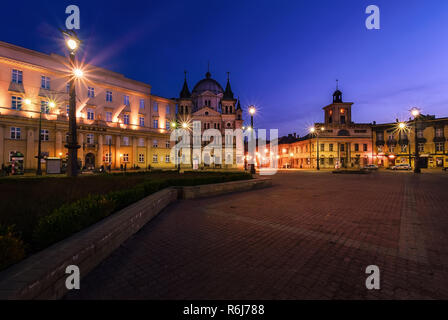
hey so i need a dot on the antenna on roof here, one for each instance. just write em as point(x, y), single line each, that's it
point(337, 84)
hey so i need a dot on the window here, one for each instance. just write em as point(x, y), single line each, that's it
point(439, 146)
point(141, 157)
point(342, 147)
point(67, 110)
point(421, 147)
point(16, 103)
point(342, 119)
point(108, 116)
point(404, 148)
point(167, 158)
point(67, 88)
point(167, 144)
point(331, 147)
point(331, 161)
point(109, 140)
point(142, 103)
point(44, 135)
point(125, 157)
point(90, 92)
point(155, 143)
point(45, 82)
point(125, 141)
point(126, 100)
point(420, 134)
point(155, 158)
point(108, 96)
point(439, 132)
point(167, 109)
point(365, 147)
point(126, 119)
point(90, 138)
point(322, 147)
point(17, 76)
point(156, 107)
point(90, 114)
point(379, 136)
point(322, 161)
point(108, 158)
point(356, 147)
point(15, 133)
point(142, 121)
point(44, 107)
point(167, 125)
point(156, 123)
point(392, 149)
point(141, 142)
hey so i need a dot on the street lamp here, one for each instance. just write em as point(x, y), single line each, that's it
point(416, 114)
point(252, 111)
point(316, 132)
point(72, 41)
point(51, 105)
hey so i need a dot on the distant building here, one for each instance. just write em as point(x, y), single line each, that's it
point(397, 146)
point(215, 108)
point(340, 141)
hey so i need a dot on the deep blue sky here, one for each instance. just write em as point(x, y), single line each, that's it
point(284, 56)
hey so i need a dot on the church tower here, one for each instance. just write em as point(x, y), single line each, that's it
point(185, 103)
point(339, 112)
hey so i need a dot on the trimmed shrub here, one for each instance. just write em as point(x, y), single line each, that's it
point(12, 249)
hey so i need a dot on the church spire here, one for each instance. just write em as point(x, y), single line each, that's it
point(185, 93)
point(228, 94)
point(208, 75)
point(238, 107)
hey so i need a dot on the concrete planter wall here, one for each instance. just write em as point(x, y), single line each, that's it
point(42, 276)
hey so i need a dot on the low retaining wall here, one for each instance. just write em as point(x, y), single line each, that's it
point(42, 276)
point(209, 190)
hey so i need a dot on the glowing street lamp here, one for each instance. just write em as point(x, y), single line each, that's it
point(416, 114)
point(252, 111)
point(73, 43)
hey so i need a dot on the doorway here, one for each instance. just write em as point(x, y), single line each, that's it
point(90, 161)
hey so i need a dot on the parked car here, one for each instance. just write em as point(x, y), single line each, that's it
point(371, 167)
point(403, 166)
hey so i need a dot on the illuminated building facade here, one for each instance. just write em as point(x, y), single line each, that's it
point(119, 121)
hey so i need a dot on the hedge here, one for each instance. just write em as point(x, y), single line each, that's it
point(12, 249)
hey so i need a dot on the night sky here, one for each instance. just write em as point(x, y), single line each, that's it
point(283, 56)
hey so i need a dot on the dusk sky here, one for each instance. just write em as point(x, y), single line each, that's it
point(283, 56)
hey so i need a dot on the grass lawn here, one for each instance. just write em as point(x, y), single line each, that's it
point(25, 201)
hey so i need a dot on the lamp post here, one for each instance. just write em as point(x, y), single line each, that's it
point(72, 42)
point(316, 132)
point(252, 111)
point(416, 114)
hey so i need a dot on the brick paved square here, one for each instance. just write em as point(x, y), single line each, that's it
point(310, 236)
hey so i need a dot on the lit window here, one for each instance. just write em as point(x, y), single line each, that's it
point(126, 119)
point(155, 158)
point(156, 124)
point(142, 121)
point(45, 82)
point(90, 114)
point(44, 107)
point(125, 157)
point(141, 157)
point(439, 146)
point(17, 76)
point(44, 135)
point(126, 100)
point(16, 103)
point(15, 133)
point(108, 96)
point(404, 148)
point(142, 103)
point(439, 132)
point(108, 158)
point(108, 116)
point(155, 143)
point(167, 158)
point(167, 144)
point(91, 92)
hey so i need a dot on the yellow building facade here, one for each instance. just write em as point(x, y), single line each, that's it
point(119, 121)
point(395, 145)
